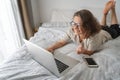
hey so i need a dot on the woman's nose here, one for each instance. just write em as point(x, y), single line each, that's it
point(75, 27)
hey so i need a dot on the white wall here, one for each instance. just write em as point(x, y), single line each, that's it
point(47, 6)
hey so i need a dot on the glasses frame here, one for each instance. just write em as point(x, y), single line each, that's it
point(73, 24)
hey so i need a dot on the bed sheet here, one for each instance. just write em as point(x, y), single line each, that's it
point(21, 66)
point(108, 59)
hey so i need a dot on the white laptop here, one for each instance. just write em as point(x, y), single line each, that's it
point(58, 65)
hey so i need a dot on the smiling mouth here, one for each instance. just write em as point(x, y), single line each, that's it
point(77, 32)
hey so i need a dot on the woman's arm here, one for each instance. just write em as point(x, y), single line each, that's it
point(56, 46)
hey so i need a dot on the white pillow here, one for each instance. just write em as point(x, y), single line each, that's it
point(56, 24)
point(66, 15)
point(62, 15)
point(63, 26)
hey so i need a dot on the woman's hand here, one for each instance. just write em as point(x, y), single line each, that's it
point(50, 50)
point(80, 50)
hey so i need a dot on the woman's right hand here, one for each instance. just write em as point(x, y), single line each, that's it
point(50, 50)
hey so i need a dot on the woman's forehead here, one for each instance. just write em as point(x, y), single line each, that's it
point(77, 19)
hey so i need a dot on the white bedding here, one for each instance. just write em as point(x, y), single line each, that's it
point(20, 66)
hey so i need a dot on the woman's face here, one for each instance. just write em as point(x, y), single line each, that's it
point(77, 25)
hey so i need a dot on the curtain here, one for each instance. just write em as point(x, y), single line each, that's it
point(26, 19)
point(11, 28)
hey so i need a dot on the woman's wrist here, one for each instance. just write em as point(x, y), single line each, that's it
point(50, 50)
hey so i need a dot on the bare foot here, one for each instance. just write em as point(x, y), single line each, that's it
point(114, 2)
point(108, 6)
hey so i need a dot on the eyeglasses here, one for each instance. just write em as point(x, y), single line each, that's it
point(72, 23)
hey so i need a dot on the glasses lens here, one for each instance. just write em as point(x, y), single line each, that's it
point(72, 23)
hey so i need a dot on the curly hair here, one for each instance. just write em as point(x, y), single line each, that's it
point(89, 23)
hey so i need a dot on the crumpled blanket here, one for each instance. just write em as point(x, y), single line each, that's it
point(21, 66)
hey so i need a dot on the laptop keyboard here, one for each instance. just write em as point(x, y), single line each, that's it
point(61, 66)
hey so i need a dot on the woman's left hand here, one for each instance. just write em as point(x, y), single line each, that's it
point(80, 50)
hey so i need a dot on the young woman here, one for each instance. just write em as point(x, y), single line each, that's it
point(87, 32)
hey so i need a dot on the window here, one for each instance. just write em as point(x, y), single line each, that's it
point(11, 31)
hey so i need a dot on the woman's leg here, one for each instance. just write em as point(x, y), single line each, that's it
point(103, 21)
point(113, 15)
point(107, 8)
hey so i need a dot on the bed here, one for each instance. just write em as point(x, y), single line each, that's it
point(21, 65)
